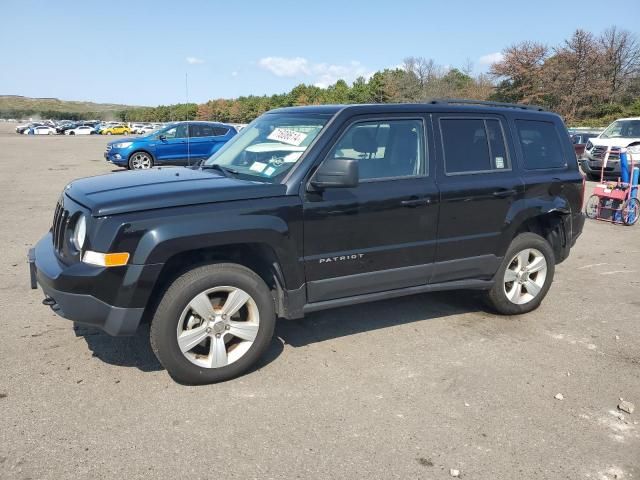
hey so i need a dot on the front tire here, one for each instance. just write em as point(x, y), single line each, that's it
point(140, 161)
point(213, 323)
point(525, 276)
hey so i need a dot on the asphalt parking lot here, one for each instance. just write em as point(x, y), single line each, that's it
point(406, 388)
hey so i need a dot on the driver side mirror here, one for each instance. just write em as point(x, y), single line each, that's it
point(336, 173)
point(162, 138)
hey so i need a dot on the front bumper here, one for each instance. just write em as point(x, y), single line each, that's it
point(97, 296)
point(594, 167)
point(117, 156)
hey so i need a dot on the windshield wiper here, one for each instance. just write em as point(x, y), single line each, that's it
point(226, 171)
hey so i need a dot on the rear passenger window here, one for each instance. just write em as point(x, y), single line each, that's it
point(541, 145)
point(220, 131)
point(473, 145)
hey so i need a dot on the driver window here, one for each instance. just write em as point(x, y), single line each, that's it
point(384, 149)
point(171, 133)
point(181, 130)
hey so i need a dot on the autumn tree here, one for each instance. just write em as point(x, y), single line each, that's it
point(621, 60)
point(520, 73)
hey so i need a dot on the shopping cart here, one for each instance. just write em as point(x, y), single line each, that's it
point(617, 202)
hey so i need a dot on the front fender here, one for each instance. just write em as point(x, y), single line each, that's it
point(154, 237)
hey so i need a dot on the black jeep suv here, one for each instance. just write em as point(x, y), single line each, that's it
point(311, 208)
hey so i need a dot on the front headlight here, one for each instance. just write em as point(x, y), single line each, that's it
point(79, 233)
point(634, 149)
point(122, 145)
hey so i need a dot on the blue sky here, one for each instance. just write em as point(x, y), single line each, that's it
point(138, 52)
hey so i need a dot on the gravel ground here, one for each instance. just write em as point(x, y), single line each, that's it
point(405, 388)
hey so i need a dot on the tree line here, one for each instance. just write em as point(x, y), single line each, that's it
point(588, 79)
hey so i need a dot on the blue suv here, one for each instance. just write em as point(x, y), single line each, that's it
point(181, 143)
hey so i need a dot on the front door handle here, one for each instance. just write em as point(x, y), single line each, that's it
point(504, 193)
point(415, 202)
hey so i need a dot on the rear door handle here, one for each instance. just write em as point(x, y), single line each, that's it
point(415, 202)
point(504, 193)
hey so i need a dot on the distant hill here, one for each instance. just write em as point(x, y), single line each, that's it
point(17, 105)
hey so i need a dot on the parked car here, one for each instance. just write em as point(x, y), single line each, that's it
point(311, 208)
point(182, 143)
point(116, 130)
point(147, 129)
point(42, 130)
point(624, 132)
point(580, 139)
point(136, 127)
point(62, 128)
point(81, 130)
point(24, 128)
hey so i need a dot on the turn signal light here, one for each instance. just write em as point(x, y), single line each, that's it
point(105, 259)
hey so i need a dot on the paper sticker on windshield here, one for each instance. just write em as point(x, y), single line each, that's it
point(290, 137)
point(499, 162)
point(269, 171)
point(258, 167)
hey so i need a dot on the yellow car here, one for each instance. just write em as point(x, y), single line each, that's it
point(116, 130)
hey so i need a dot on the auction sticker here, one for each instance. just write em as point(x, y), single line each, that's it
point(499, 162)
point(258, 167)
point(287, 136)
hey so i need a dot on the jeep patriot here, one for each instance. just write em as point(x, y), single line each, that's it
point(310, 208)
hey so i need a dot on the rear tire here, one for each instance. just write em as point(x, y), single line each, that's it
point(525, 276)
point(201, 348)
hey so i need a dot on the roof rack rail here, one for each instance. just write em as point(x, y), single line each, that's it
point(465, 101)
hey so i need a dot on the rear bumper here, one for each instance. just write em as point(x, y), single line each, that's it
point(73, 291)
point(577, 224)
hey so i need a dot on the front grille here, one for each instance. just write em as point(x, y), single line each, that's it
point(58, 228)
point(599, 152)
point(109, 147)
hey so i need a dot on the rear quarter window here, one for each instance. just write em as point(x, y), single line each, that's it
point(541, 146)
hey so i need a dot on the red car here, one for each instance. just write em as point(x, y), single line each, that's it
point(580, 139)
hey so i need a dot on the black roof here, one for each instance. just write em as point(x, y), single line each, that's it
point(432, 105)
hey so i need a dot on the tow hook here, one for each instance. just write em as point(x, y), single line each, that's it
point(49, 301)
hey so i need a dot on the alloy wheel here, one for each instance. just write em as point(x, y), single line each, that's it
point(218, 327)
point(140, 161)
point(525, 276)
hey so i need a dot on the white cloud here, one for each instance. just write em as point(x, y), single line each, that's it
point(285, 67)
point(234, 74)
point(490, 58)
point(194, 60)
point(320, 74)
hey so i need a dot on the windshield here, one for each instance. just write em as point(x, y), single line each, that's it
point(622, 129)
point(269, 146)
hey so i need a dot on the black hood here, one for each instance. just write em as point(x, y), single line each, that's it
point(133, 191)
